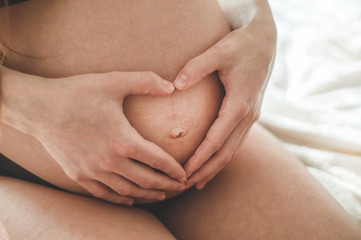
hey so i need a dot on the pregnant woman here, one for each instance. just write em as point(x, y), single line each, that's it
point(91, 110)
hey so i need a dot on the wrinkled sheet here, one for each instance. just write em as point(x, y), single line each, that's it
point(313, 101)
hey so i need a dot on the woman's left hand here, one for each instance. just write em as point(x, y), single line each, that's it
point(244, 60)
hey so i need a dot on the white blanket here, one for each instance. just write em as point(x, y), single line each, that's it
point(313, 102)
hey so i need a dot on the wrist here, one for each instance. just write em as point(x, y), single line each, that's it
point(18, 93)
point(261, 26)
point(241, 13)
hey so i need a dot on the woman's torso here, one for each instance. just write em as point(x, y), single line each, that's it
point(61, 38)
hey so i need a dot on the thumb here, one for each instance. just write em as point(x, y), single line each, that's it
point(197, 69)
point(144, 83)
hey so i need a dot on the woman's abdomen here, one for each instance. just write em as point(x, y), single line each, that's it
point(74, 37)
point(177, 123)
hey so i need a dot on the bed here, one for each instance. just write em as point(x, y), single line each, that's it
point(313, 101)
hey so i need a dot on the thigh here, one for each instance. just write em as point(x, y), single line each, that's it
point(264, 193)
point(30, 211)
point(31, 155)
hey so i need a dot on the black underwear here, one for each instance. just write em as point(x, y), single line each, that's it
point(10, 2)
point(10, 169)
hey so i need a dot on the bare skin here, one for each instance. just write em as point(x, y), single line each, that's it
point(264, 193)
point(264, 187)
point(100, 135)
point(244, 62)
point(34, 212)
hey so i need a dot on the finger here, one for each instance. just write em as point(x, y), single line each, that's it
point(101, 191)
point(148, 178)
point(124, 187)
point(198, 68)
point(201, 179)
point(155, 157)
point(201, 185)
point(229, 116)
point(222, 157)
point(141, 83)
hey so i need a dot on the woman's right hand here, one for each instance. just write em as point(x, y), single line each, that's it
point(80, 121)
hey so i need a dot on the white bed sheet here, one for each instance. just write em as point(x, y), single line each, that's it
point(313, 102)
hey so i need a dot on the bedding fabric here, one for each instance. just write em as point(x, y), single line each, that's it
point(313, 101)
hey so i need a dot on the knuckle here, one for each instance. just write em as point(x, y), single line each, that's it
point(130, 150)
point(225, 160)
point(104, 163)
point(148, 184)
point(158, 162)
point(101, 193)
point(129, 192)
point(94, 173)
point(152, 184)
point(236, 117)
point(151, 75)
point(215, 145)
point(125, 150)
point(143, 183)
point(196, 65)
point(193, 64)
point(76, 176)
point(241, 111)
point(211, 135)
point(125, 191)
point(225, 49)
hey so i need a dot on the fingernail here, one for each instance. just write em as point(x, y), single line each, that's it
point(182, 179)
point(161, 196)
point(168, 85)
point(181, 81)
point(200, 186)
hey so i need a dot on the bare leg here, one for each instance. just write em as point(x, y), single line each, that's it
point(30, 211)
point(264, 193)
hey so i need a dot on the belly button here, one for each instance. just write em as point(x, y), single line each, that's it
point(177, 133)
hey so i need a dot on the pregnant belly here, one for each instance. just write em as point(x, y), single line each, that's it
point(177, 123)
point(74, 37)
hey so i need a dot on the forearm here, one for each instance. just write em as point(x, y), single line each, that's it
point(252, 20)
point(16, 94)
point(241, 13)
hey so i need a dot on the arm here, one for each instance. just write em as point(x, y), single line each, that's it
point(79, 120)
point(240, 13)
point(244, 61)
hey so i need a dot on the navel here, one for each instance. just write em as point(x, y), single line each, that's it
point(177, 133)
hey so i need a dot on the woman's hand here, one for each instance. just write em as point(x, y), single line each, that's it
point(80, 121)
point(244, 61)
